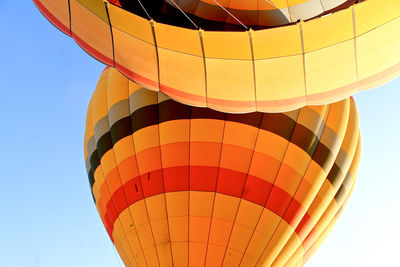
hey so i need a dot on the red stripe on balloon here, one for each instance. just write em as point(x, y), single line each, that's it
point(145, 82)
point(204, 178)
point(92, 51)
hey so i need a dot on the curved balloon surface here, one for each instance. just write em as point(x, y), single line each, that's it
point(233, 14)
point(319, 61)
point(177, 185)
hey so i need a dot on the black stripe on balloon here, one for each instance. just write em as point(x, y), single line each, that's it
point(206, 113)
point(91, 178)
point(143, 117)
point(334, 176)
point(104, 144)
point(94, 161)
point(323, 156)
point(303, 139)
point(91, 182)
point(170, 110)
point(279, 124)
point(344, 188)
point(120, 129)
point(250, 119)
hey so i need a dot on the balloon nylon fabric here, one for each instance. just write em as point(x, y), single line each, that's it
point(177, 185)
point(316, 62)
point(230, 15)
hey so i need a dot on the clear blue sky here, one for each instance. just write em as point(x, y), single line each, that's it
point(48, 217)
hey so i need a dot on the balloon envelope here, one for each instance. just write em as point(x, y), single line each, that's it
point(231, 15)
point(177, 185)
point(316, 62)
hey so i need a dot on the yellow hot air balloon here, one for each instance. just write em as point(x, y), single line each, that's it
point(195, 52)
point(177, 185)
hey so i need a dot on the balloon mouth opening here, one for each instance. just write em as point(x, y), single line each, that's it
point(216, 17)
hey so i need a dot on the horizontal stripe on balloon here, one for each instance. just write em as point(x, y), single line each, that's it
point(204, 179)
point(277, 123)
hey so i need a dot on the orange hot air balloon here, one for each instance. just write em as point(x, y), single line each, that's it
point(177, 185)
point(240, 56)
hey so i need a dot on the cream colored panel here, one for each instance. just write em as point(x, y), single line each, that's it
point(272, 85)
point(230, 80)
point(305, 10)
point(330, 68)
point(330, 4)
point(378, 49)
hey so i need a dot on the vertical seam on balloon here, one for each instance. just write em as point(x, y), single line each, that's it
point(333, 220)
point(157, 54)
point(322, 5)
point(277, 174)
point(294, 232)
point(344, 174)
point(115, 160)
point(117, 167)
point(307, 252)
point(140, 181)
point(259, 217)
point(120, 244)
point(205, 64)
point(162, 174)
point(215, 190)
point(244, 186)
point(354, 178)
point(250, 32)
point(109, 191)
point(315, 194)
point(288, 10)
point(353, 9)
point(188, 189)
point(317, 223)
point(111, 32)
point(323, 124)
point(304, 58)
point(106, 214)
point(70, 18)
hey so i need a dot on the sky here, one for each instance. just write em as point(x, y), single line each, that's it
point(48, 217)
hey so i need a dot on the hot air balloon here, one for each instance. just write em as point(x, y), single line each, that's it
point(240, 56)
point(177, 185)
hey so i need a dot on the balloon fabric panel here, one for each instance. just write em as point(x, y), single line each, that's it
point(184, 185)
point(275, 70)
